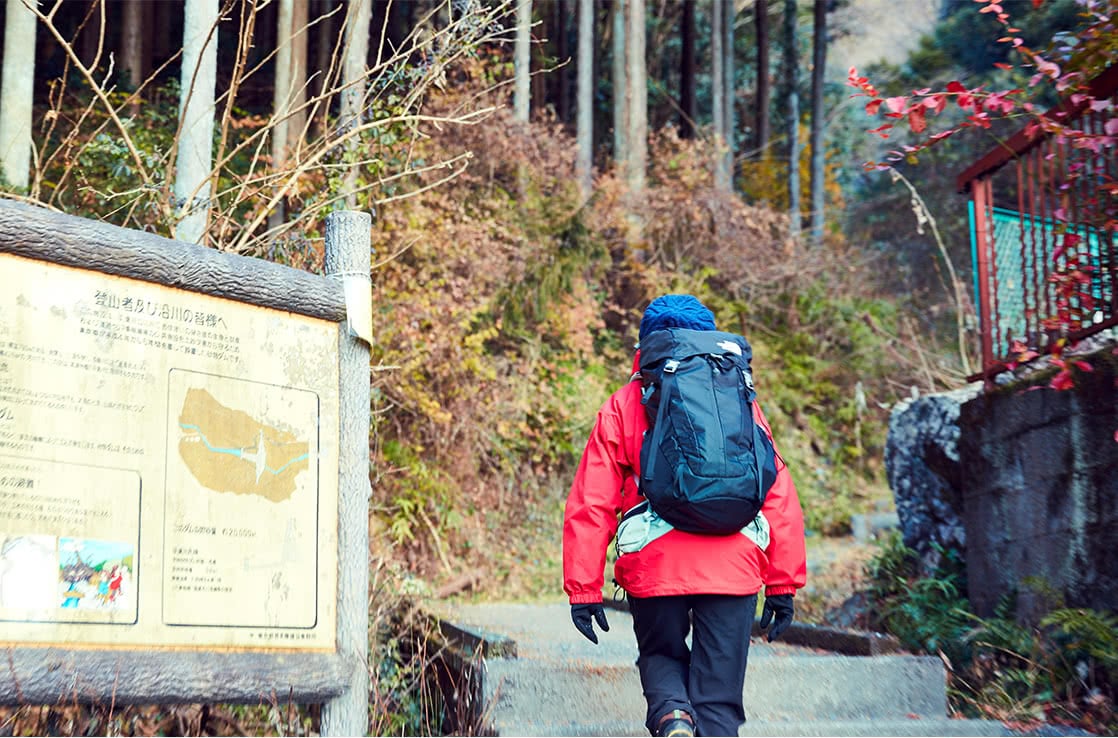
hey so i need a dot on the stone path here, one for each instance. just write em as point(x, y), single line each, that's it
point(542, 678)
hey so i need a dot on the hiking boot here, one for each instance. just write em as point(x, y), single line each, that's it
point(676, 723)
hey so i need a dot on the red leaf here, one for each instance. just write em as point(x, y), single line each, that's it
point(872, 106)
point(916, 120)
point(896, 104)
point(1062, 381)
point(955, 86)
point(982, 120)
point(1083, 366)
point(1003, 65)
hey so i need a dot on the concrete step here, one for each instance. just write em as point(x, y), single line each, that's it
point(540, 677)
point(777, 687)
point(937, 727)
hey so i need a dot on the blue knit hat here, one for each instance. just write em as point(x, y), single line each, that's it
point(676, 311)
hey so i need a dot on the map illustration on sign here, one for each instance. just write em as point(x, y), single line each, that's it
point(228, 450)
point(242, 504)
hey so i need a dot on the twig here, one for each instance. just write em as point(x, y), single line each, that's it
point(923, 215)
point(437, 540)
point(97, 90)
point(454, 586)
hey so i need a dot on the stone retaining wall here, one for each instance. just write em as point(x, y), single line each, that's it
point(1040, 494)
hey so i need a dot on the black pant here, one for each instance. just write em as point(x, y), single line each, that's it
point(706, 681)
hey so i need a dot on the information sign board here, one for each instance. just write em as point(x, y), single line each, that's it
point(167, 466)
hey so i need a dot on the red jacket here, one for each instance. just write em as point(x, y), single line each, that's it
point(678, 562)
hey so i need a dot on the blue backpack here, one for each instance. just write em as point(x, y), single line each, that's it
point(706, 466)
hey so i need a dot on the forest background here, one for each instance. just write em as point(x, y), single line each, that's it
point(509, 277)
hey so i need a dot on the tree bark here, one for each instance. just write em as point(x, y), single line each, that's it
point(792, 117)
point(356, 37)
point(728, 91)
point(762, 125)
point(585, 127)
point(819, 63)
point(687, 70)
point(17, 94)
point(620, 87)
point(562, 28)
point(132, 43)
point(92, 34)
point(638, 98)
point(193, 164)
point(326, 45)
point(718, 95)
point(523, 57)
point(300, 17)
point(281, 97)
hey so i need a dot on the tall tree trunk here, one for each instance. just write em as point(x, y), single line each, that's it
point(356, 35)
point(92, 34)
point(17, 94)
point(687, 70)
point(523, 57)
point(281, 98)
point(562, 31)
point(620, 87)
point(637, 75)
point(819, 63)
point(132, 43)
point(718, 95)
point(792, 117)
point(730, 125)
point(300, 17)
point(585, 126)
point(196, 111)
point(762, 125)
point(326, 43)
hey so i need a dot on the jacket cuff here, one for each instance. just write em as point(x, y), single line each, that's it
point(585, 598)
point(780, 590)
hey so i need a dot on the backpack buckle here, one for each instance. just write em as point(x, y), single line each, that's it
point(670, 366)
point(748, 377)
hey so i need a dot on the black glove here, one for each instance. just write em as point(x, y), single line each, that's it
point(781, 607)
point(581, 614)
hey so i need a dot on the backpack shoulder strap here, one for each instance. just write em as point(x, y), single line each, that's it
point(751, 398)
point(667, 386)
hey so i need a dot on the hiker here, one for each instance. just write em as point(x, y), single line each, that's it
point(676, 580)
